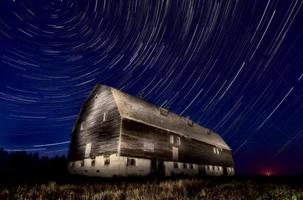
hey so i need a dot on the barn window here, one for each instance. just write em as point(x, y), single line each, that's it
point(131, 162)
point(148, 146)
point(175, 140)
point(106, 161)
point(104, 117)
point(175, 153)
point(163, 111)
point(178, 140)
point(88, 148)
point(216, 150)
point(190, 122)
point(175, 165)
point(82, 126)
point(171, 139)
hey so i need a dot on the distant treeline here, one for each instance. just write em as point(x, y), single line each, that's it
point(23, 165)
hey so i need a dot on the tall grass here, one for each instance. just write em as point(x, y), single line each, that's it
point(182, 189)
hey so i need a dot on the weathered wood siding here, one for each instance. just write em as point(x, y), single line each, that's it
point(103, 135)
point(135, 134)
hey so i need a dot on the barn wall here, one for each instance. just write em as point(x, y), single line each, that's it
point(144, 141)
point(91, 128)
point(116, 167)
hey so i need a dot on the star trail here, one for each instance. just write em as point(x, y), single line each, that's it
point(235, 67)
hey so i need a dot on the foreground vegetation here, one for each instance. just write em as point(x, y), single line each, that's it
point(28, 176)
point(197, 188)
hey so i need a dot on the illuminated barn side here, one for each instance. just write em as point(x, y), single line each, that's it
point(117, 134)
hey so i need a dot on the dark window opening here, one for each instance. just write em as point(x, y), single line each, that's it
point(131, 162)
point(98, 171)
point(184, 166)
point(191, 166)
point(164, 111)
point(176, 165)
point(93, 162)
point(82, 163)
point(107, 161)
point(190, 123)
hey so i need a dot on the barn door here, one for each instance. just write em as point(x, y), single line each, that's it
point(175, 153)
point(157, 168)
point(88, 148)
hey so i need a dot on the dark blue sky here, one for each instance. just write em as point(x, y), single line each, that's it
point(235, 67)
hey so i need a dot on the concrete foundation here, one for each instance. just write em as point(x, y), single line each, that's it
point(114, 165)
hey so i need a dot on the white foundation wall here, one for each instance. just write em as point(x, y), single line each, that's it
point(171, 170)
point(211, 170)
point(116, 167)
point(230, 171)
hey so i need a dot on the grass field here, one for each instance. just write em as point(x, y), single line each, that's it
point(177, 189)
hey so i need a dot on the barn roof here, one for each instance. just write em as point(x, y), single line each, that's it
point(137, 109)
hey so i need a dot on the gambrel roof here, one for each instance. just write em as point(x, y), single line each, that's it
point(137, 109)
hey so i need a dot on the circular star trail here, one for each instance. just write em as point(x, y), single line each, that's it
point(235, 67)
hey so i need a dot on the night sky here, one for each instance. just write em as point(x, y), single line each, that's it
point(235, 67)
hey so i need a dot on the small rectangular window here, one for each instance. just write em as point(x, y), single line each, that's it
point(178, 140)
point(190, 122)
point(104, 117)
point(148, 147)
point(131, 162)
point(88, 148)
point(171, 139)
point(175, 165)
point(184, 166)
point(82, 126)
point(175, 152)
point(93, 162)
point(82, 163)
point(191, 166)
point(106, 161)
point(163, 111)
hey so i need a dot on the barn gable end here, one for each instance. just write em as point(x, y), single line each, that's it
point(97, 129)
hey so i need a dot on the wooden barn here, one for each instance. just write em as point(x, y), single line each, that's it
point(117, 134)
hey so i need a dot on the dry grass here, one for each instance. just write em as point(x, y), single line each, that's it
point(182, 189)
